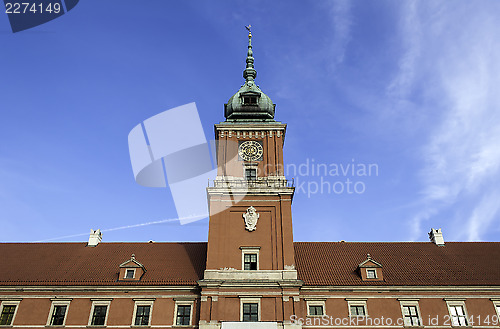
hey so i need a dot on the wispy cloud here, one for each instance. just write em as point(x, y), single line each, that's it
point(461, 75)
point(412, 34)
point(342, 21)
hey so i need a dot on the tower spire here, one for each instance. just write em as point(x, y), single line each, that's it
point(249, 104)
point(249, 73)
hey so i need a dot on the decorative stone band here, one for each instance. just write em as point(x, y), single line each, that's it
point(265, 182)
point(250, 134)
point(265, 275)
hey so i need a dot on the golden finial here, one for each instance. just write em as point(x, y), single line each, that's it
point(249, 30)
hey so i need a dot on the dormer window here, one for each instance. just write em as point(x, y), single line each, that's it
point(249, 100)
point(129, 274)
point(370, 270)
point(131, 270)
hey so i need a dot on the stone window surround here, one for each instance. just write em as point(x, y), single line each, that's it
point(410, 302)
point(142, 302)
point(457, 302)
point(254, 300)
point(316, 303)
point(249, 250)
point(99, 302)
point(357, 302)
point(10, 302)
point(496, 305)
point(129, 269)
point(58, 302)
point(372, 270)
point(183, 302)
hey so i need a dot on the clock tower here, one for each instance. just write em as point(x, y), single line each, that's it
point(250, 244)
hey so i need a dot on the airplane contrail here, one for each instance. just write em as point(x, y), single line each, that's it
point(129, 226)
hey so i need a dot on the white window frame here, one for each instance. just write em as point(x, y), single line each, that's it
point(54, 304)
point(10, 303)
point(403, 303)
point(496, 305)
point(374, 271)
point(254, 300)
point(99, 303)
point(183, 302)
point(357, 303)
point(451, 303)
point(249, 250)
point(144, 302)
point(129, 269)
point(315, 303)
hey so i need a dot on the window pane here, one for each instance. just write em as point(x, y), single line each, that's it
point(250, 312)
point(250, 262)
point(58, 315)
point(406, 310)
point(142, 315)
point(357, 310)
point(7, 314)
point(410, 314)
point(183, 314)
point(251, 174)
point(130, 274)
point(413, 310)
point(99, 316)
point(315, 310)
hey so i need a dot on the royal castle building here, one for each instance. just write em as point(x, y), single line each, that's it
point(250, 273)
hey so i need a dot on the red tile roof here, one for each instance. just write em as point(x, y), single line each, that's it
point(318, 263)
point(403, 263)
point(76, 264)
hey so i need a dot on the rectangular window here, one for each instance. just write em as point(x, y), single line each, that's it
point(129, 274)
point(99, 315)
point(58, 315)
point(250, 262)
point(357, 310)
point(7, 315)
point(251, 174)
point(183, 315)
point(410, 314)
point(371, 274)
point(458, 316)
point(250, 312)
point(250, 100)
point(315, 310)
point(142, 315)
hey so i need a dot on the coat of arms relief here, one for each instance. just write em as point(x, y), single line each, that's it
point(251, 217)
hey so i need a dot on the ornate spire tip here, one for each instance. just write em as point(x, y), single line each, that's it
point(249, 30)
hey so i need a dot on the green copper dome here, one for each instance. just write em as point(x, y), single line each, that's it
point(249, 103)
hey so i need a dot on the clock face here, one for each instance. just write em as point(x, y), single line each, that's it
point(250, 151)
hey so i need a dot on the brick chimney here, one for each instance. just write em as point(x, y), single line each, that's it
point(95, 238)
point(436, 237)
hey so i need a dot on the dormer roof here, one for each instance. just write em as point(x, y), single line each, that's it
point(369, 262)
point(132, 262)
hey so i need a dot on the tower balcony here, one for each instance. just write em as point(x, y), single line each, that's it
point(259, 182)
point(271, 185)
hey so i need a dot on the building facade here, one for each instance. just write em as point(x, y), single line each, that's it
point(250, 273)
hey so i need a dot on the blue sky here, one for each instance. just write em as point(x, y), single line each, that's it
point(410, 86)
